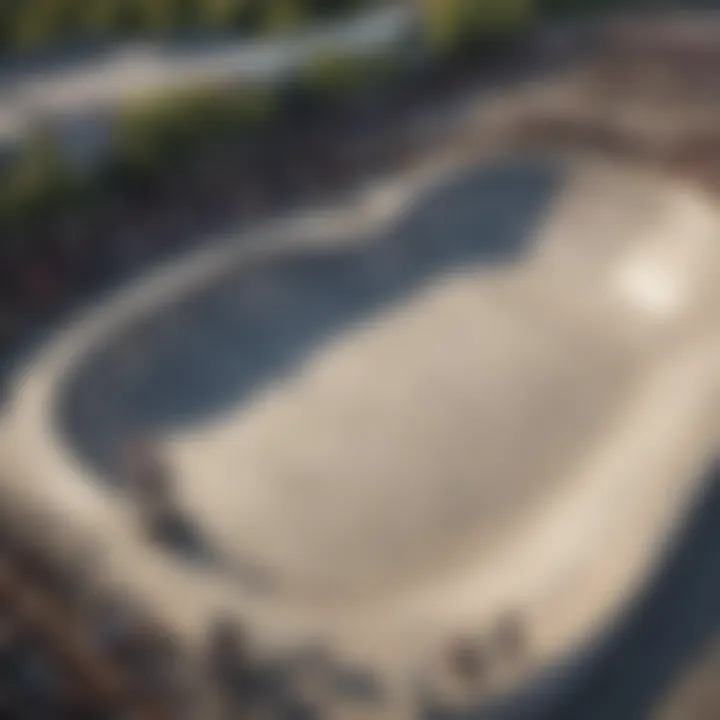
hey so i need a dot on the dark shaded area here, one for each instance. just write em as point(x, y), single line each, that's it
point(644, 655)
point(37, 30)
point(303, 684)
point(260, 323)
point(56, 661)
point(358, 685)
point(670, 625)
point(178, 534)
point(125, 223)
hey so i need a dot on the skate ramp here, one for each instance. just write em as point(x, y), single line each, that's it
point(368, 416)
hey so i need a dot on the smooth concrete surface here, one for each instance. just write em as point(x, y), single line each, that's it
point(483, 390)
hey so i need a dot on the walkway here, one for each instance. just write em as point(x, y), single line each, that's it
point(69, 90)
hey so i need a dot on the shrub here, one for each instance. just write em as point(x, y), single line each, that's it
point(33, 23)
point(155, 133)
point(453, 26)
point(35, 182)
point(335, 77)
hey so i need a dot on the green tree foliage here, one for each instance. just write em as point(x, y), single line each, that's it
point(461, 25)
point(35, 182)
point(160, 15)
point(155, 134)
point(32, 23)
point(38, 22)
point(555, 8)
point(332, 75)
point(284, 15)
point(242, 15)
point(105, 18)
point(335, 77)
point(450, 23)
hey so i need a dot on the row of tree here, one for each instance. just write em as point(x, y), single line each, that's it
point(33, 23)
point(153, 135)
point(464, 25)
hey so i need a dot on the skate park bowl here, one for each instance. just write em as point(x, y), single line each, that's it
point(477, 390)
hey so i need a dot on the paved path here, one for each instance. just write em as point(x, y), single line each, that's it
point(70, 90)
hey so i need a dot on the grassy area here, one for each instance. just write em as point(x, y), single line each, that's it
point(153, 136)
point(27, 24)
point(156, 136)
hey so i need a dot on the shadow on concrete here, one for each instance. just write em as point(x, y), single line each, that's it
point(180, 536)
point(671, 625)
point(316, 676)
point(204, 357)
point(672, 622)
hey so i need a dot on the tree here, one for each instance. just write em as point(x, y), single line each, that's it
point(227, 14)
point(160, 15)
point(282, 15)
point(461, 25)
point(39, 22)
point(36, 181)
point(111, 17)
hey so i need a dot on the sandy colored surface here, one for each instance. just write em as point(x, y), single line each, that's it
point(435, 424)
